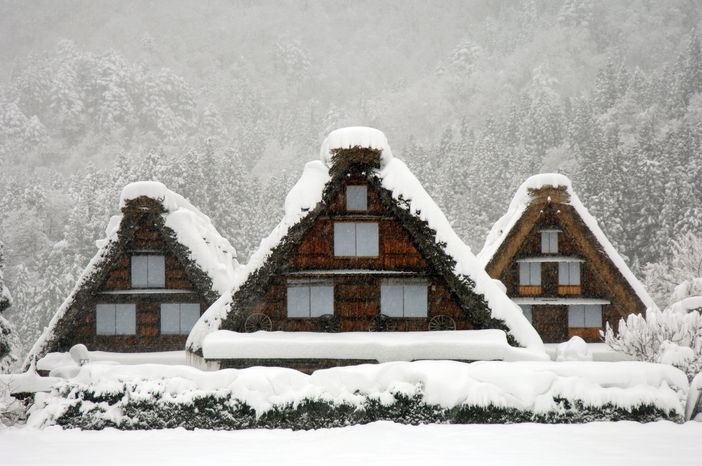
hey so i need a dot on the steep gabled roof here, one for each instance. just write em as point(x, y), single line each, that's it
point(401, 192)
point(207, 257)
point(525, 198)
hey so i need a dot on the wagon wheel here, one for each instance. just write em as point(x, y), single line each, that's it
point(329, 323)
point(381, 323)
point(258, 321)
point(442, 322)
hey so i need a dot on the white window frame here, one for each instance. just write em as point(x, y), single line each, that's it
point(585, 316)
point(155, 265)
point(529, 273)
point(348, 232)
point(184, 326)
point(549, 241)
point(413, 306)
point(316, 306)
point(569, 273)
point(357, 198)
point(111, 311)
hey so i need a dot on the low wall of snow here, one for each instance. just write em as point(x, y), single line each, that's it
point(156, 396)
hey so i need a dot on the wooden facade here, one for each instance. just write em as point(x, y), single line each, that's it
point(552, 304)
point(357, 280)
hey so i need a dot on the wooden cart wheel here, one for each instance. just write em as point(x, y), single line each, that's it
point(256, 322)
point(329, 323)
point(381, 323)
point(442, 322)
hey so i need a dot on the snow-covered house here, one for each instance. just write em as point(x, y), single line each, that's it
point(558, 265)
point(361, 247)
point(161, 264)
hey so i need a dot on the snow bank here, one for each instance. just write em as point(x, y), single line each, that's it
point(535, 387)
point(399, 180)
point(52, 361)
point(355, 136)
point(465, 345)
point(27, 382)
point(522, 198)
point(574, 349)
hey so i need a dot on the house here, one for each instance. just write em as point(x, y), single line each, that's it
point(558, 265)
point(361, 248)
point(161, 264)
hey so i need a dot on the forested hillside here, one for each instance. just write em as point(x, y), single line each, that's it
point(225, 101)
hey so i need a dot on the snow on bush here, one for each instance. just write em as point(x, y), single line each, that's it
point(154, 396)
point(667, 337)
point(574, 349)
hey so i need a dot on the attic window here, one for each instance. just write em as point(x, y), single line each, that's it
point(357, 198)
point(356, 239)
point(549, 241)
point(148, 272)
point(404, 298)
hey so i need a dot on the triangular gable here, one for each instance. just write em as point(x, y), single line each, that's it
point(402, 194)
point(208, 260)
point(507, 235)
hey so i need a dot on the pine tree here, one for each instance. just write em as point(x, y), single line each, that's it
point(10, 347)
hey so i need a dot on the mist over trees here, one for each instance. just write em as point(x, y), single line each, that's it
point(225, 101)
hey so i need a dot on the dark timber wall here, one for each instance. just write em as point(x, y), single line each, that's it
point(357, 297)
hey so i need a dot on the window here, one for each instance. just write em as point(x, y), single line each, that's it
point(356, 197)
point(148, 271)
point(549, 241)
point(528, 313)
point(308, 299)
point(356, 239)
point(178, 318)
point(585, 315)
point(569, 273)
point(530, 273)
point(115, 319)
point(401, 298)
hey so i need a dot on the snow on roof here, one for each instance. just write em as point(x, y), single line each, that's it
point(399, 180)
point(355, 136)
point(208, 249)
point(465, 345)
point(522, 198)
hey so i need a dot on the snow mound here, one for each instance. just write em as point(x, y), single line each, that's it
point(575, 349)
point(687, 296)
point(464, 345)
point(355, 136)
point(521, 200)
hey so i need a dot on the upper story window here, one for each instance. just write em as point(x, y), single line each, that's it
point(356, 197)
point(178, 318)
point(549, 241)
point(148, 272)
point(585, 316)
point(308, 299)
point(569, 273)
point(530, 273)
point(115, 319)
point(356, 239)
point(404, 298)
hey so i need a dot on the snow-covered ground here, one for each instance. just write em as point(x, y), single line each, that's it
point(604, 444)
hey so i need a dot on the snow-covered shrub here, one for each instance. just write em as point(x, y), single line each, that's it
point(665, 337)
point(12, 410)
point(155, 397)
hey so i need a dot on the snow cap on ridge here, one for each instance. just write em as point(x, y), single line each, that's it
point(355, 136)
